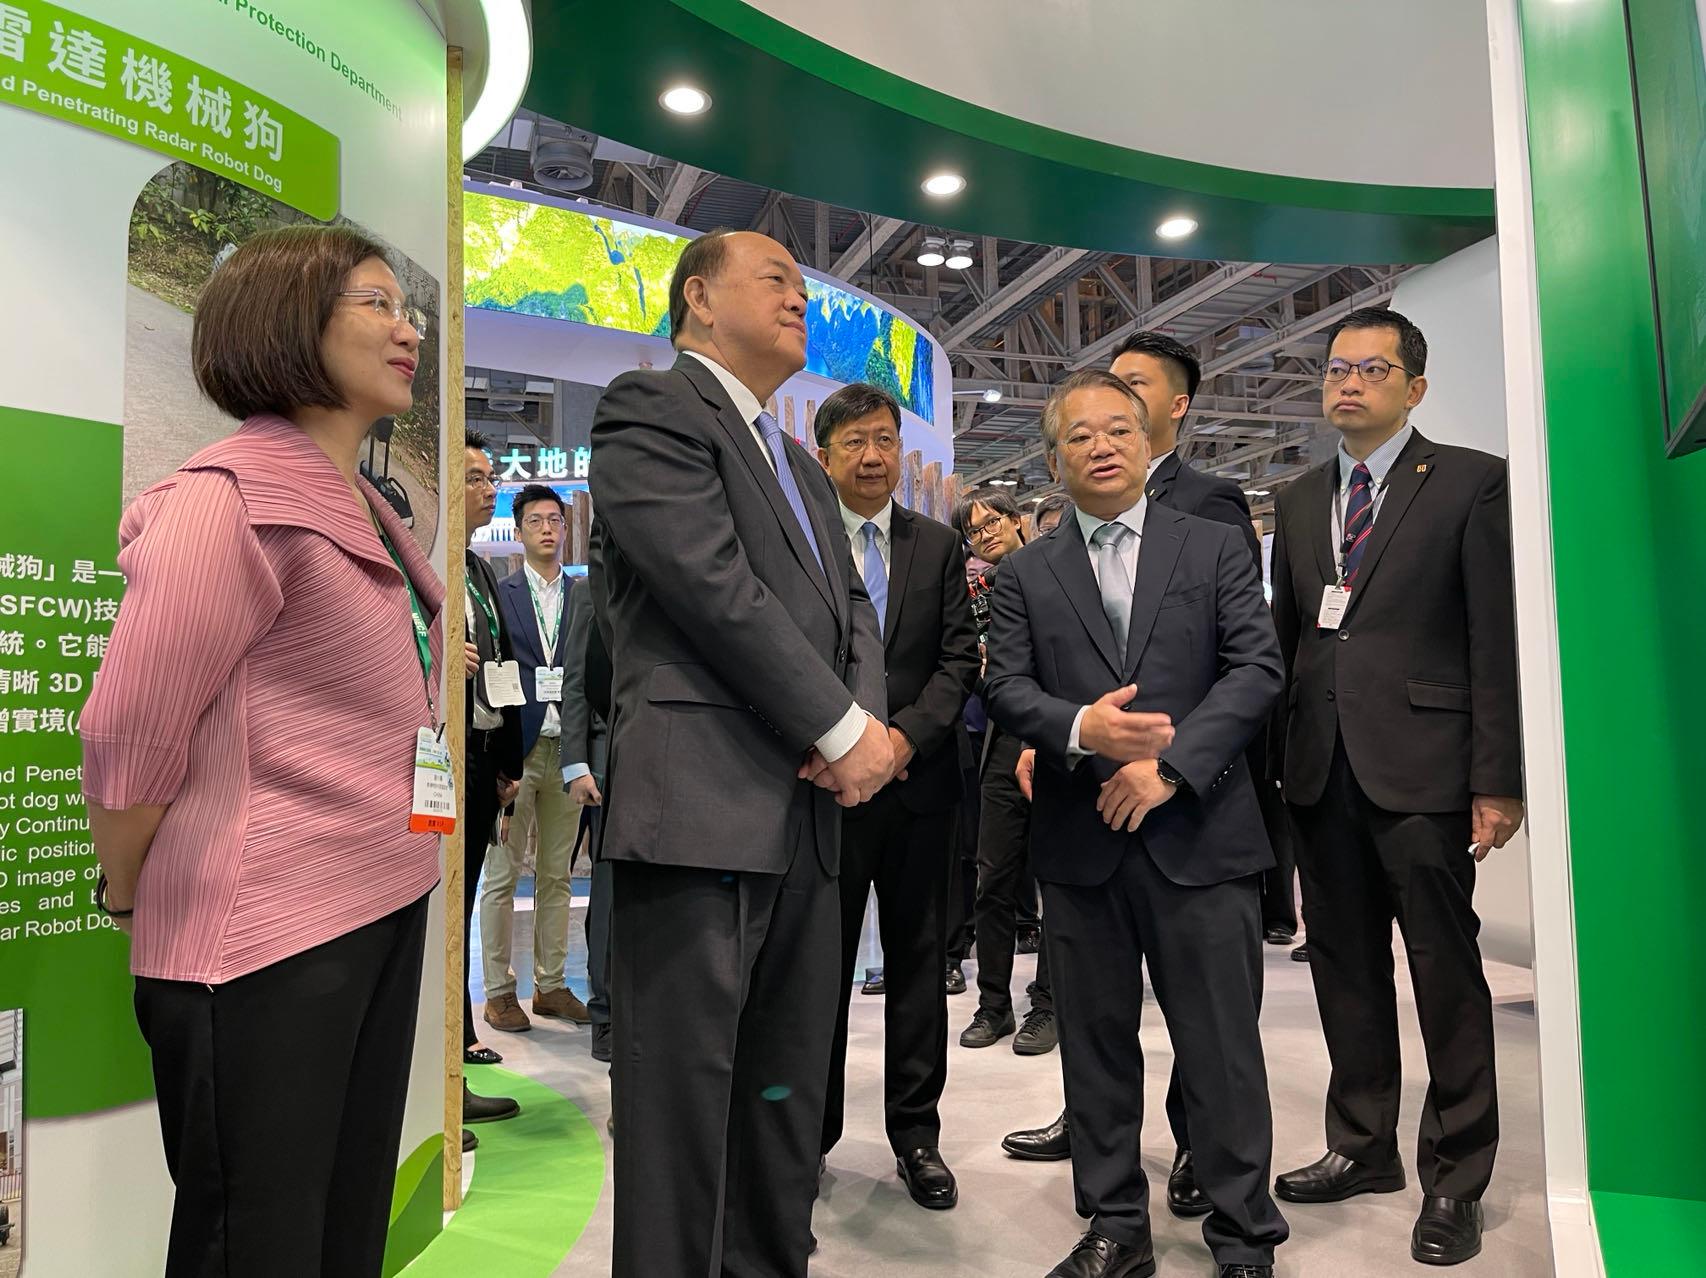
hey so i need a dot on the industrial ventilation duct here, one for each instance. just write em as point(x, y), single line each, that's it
point(561, 157)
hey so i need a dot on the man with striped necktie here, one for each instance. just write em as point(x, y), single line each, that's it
point(1402, 764)
point(902, 841)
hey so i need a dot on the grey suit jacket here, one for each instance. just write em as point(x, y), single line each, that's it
point(583, 728)
point(734, 650)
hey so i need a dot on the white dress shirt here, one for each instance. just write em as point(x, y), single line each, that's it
point(1128, 554)
point(1379, 464)
point(1155, 464)
point(548, 596)
point(855, 525)
point(845, 734)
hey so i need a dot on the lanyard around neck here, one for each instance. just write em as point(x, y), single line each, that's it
point(1376, 488)
point(423, 638)
point(547, 632)
point(485, 607)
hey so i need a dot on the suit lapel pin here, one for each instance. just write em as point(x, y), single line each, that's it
point(1422, 468)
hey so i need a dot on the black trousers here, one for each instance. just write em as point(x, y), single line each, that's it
point(1362, 868)
point(1279, 900)
point(480, 809)
point(906, 856)
point(281, 1100)
point(1003, 846)
point(962, 873)
point(597, 922)
point(726, 984)
point(1203, 946)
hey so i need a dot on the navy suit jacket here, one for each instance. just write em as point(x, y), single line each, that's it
point(523, 624)
point(1201, 648)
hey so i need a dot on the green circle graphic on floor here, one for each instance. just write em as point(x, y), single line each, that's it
point(536, 1181)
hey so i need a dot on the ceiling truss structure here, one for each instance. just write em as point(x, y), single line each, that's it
point(1024, 315)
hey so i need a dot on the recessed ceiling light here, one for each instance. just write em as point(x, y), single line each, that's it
point(930, 251)
point(684, 99)
point(942, 185)
point(1176, 228)
point(959, 257)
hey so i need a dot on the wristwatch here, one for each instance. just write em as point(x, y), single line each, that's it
point(1168, 773)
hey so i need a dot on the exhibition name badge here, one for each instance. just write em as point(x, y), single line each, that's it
point(548, 683)
point(434, 808)
point(503, 684)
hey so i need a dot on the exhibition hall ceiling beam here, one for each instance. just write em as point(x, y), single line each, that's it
point(1046, 272)
point(682, 186)
point(869, 241)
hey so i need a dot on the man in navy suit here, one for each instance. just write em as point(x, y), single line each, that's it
point(534, 605)
point(1133, 649)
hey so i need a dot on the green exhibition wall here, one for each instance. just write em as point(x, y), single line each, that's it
point(1629, 546)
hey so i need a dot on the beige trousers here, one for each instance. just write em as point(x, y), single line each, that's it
point(541, 805)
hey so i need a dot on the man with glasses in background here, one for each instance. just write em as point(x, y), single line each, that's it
point(534, 603)
point(901, 841)
point(1402, 765)
point(989, 520)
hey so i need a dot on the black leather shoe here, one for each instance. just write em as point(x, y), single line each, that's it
point(470, 1142)
point(1246, 1271)
point(1041, 1144)
point(1184, 1197)
point(1029, 939)
point(928, 1179)
point(1448, 1232)
point(1334, 1178)
point(1038, 1036)
point(1300, 954)
point(480, 1056)
point(987, 1028)
point(1279, 934)
point(487, 1109)
point(603, 1043)
point(1099, 1257)
point(873, 981)
point(956, 979)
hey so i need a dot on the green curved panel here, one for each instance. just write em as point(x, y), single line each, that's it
point(793, 113)
point(417, 1212)
point(536, 1181)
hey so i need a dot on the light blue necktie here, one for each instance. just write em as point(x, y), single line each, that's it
point(1110, 577)
point(876, 576)
point(772, 432)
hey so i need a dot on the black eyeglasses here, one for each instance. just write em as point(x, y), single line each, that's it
point(1374, 369)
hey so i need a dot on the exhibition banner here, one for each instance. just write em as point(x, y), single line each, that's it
point(144, 144)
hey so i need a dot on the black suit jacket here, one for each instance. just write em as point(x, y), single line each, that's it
point(516, 605)
point(735, 651)
point(511, 758)
point(1420, 678)
point(1201, 648)
point(1187, 489)
point(930, 650)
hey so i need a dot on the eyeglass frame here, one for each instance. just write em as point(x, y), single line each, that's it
point(977, 532)
point(1121, 441)
point(1361, 370)
point(543, 521)
point(400, 311)
point(855, 445)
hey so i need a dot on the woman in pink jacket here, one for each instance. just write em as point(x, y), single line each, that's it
point(249, 761)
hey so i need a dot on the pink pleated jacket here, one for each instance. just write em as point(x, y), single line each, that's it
point(263, 681)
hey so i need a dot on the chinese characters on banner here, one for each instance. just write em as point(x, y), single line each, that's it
point(58, 63)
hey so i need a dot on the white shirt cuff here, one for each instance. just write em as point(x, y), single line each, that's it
point(575, 771)
point(1074, 751)
point(844, 735)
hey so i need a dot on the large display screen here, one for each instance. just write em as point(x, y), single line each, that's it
point(590, 268)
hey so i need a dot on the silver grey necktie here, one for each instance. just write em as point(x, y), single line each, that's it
point(1110, 577)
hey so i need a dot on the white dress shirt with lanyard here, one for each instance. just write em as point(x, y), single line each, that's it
point(1336, 595)
point(548, 616)
point(846, 733)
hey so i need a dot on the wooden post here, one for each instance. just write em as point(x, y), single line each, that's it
point(455, 535)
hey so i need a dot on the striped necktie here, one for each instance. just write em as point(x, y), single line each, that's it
point(1359, 521)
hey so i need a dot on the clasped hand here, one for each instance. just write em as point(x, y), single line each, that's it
point(880, 755)
point(1111, 731)
point(1131, 794)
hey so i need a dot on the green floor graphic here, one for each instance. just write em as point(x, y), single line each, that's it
point(536, 1180)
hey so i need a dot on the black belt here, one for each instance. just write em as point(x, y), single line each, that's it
point(482, 740)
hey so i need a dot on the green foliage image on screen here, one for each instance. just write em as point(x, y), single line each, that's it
point(564, 264)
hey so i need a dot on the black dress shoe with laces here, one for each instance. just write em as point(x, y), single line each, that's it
point(1300, 954)
point(1048, 1144)
point(1028, 938)
point(1246, 1271)
point(1279, 934)
point(956, 980)
point(1335, 1178)
point(1448, 1232)
point(928, 1179)
point(1185, 1198)
point(1099, 1257)
point(987, 1028)
point(1037, 1036)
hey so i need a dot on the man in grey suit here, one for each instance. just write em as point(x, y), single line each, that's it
point(750, 701)
point(584, 759)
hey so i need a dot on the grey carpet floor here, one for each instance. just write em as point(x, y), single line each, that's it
point(1016, 1220)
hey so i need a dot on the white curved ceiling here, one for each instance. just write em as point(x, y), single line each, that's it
point(1394, 92)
